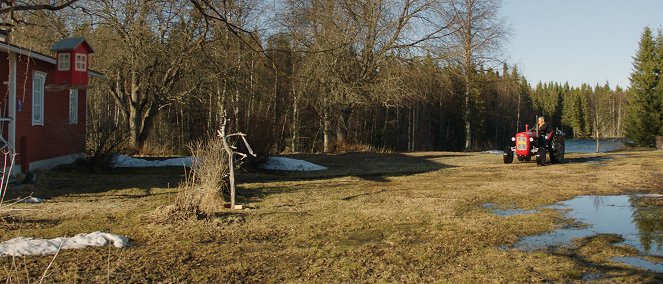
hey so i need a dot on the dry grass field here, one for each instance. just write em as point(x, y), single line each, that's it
point(369, 218)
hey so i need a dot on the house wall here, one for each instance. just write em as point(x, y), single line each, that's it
point(56, 137)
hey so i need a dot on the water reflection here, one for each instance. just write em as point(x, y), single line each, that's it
point(648, 217)
point(637, 218)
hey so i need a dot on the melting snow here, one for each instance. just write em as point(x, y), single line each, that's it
point(28, 246)
point(496, 152)
point(122, 161)
point(32, 200)
point(288, 164)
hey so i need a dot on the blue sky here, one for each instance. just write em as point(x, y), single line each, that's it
point(578, 41)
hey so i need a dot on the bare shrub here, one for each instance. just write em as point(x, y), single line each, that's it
point(356, 148)
point(103, 144)
point(202, 193)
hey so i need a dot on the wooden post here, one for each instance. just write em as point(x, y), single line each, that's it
point(231, 157)
point(231, 162)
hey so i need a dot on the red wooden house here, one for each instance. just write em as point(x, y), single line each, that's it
point(42, 103)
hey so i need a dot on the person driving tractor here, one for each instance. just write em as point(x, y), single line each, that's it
point(543, 130)
point(542, 126)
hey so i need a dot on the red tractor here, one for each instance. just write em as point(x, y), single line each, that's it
point(527, 146)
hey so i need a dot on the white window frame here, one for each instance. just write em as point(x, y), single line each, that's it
point(38, 97)
point(64, 61)
point(82, 60)
point(73, 106)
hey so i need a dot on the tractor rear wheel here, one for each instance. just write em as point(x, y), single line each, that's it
point(560, 152)
point(553, 156)
point(508, 155)
point(541, 157)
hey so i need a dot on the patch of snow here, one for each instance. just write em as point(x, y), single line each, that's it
point(289, 164)
point(33, 200)
point(651, 195)
point(28, 246)
point(496, 152)
point(122, 161)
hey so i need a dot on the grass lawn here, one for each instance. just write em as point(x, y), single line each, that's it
point(369, 218)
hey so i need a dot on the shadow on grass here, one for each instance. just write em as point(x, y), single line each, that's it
point(132, 183)
point(588, 159)
point(368, 166)
point(140, 182)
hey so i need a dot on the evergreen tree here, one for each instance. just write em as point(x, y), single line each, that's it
point(644, 112)
point(659, 67)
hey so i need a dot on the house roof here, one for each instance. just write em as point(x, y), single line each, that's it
point(39, 56)
point(69, 44)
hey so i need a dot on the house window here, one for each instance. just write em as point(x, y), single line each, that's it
point(38, 81)
point(73, 106)
point(81, 62)
point(64, 61)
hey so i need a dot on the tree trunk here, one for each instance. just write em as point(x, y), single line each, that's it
point(134, 113)
point(294, 126)
point(596, 130)
point(468, 126)
point(147, 125)
point(384, 129)
point(342, 125)
point(518, 117)
point(326, 129)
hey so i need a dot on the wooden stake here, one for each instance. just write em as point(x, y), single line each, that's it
point(231, 162)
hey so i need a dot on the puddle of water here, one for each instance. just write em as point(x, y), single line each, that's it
point(506, 212)
point(637, 218)
point(640, 262)
point(592, 276)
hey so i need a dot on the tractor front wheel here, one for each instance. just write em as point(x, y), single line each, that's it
point(508, 155)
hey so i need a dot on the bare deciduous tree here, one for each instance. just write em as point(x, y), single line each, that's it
point(477, 34)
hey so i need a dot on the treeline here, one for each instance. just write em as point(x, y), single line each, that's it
point(313, 76)
point(583, 111)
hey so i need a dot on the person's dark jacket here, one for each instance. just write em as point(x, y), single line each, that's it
point(544, 129)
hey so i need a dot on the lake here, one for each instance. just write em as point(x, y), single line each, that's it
point(589, 145)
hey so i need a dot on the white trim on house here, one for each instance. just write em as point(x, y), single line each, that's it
point(81, 62)
point(73, 106)
point(11, 48)
point(30, 53)
point(38, 108)
point(64, 61)
point(54, 162)
point(12, 100)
